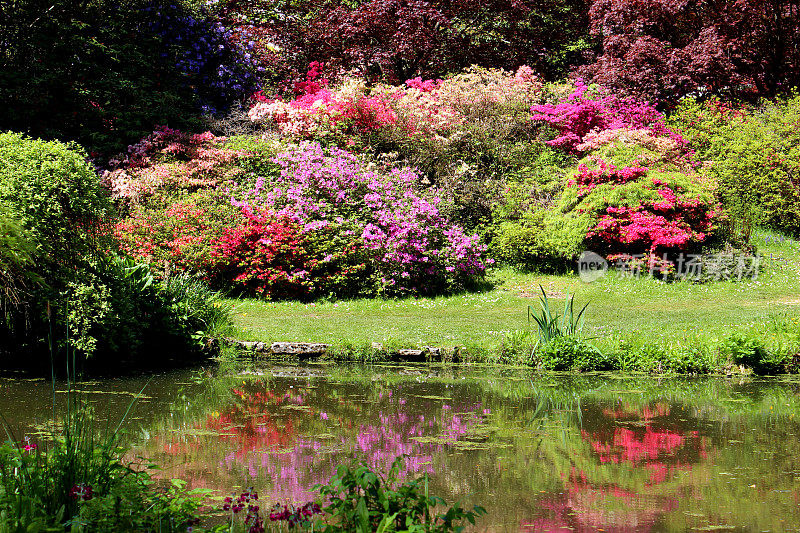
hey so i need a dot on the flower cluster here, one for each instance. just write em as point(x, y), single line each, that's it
point(419, 107)
point(215, 67)
point(584, 112)
point(181, 237)
point(169, 157)
point(266, 255)
point(411, 247)
point(587, 179)
point(666, 219)
point(294, 516)
point(246, 501)
point(81, 492)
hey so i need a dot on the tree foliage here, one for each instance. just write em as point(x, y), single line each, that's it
point(399, 39)
point(104, 73)
point(664, 49)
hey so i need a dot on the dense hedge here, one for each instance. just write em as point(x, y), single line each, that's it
point(68, 292)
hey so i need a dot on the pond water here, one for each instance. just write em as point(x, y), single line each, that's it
point(541, 453)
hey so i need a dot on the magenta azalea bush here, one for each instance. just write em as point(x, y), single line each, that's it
point(412, 248)
point(586, 112)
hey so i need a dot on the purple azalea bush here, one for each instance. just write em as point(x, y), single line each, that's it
point(412, 248)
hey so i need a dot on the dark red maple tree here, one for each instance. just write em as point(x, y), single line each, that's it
point(664, 49)
point(400, 39)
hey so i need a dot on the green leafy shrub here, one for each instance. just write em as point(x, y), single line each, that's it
point(59, 207)
point(79, 296)
point(752, 353)
point(569, 353)
point(363, 501)
point(15, 260)
point(754, 157)
point(123, 315)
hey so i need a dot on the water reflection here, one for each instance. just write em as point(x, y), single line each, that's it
point(558, 453)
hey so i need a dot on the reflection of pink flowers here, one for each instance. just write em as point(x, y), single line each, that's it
point(630, 447)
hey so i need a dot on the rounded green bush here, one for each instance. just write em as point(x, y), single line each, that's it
point(57, 199)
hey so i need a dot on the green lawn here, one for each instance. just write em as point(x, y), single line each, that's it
point(640, 310)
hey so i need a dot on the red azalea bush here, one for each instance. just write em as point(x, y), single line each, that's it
point(180, 237)
point(271, 256)
point(633, 210)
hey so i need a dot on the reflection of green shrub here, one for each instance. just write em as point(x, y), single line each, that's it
point(752, 353)
point(569, 353)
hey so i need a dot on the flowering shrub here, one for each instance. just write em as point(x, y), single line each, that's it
point(631, 210)
point(180, 237)
point(584, 112)
point(272, 256)
point(412, 248)
point(215, 67)
point(171, 159)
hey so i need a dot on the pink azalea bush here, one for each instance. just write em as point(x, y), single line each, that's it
point(170, 159)
point(585, 113)
point(636, 210)
point(418, 107)
point(412, 248)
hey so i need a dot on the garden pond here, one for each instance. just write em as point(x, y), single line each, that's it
point(541, 452)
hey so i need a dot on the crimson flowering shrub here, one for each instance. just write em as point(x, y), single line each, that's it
point(273, 257)
point(635, 210)
point(410, 246)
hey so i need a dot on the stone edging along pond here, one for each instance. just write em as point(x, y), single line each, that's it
point(315, 350)
point(376, 352)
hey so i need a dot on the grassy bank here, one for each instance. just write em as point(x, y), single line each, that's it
point(634, 315)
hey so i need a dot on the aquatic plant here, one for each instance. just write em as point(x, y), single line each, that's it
point(550, 326)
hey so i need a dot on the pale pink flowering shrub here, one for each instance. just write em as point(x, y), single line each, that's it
point(412, 248)
point(170, 159)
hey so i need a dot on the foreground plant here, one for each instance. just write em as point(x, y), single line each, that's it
point(79, 480)
point(363, 501)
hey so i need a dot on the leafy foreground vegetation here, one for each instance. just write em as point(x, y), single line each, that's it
point(637, 324)
point(77, 478)
point(82, 484)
